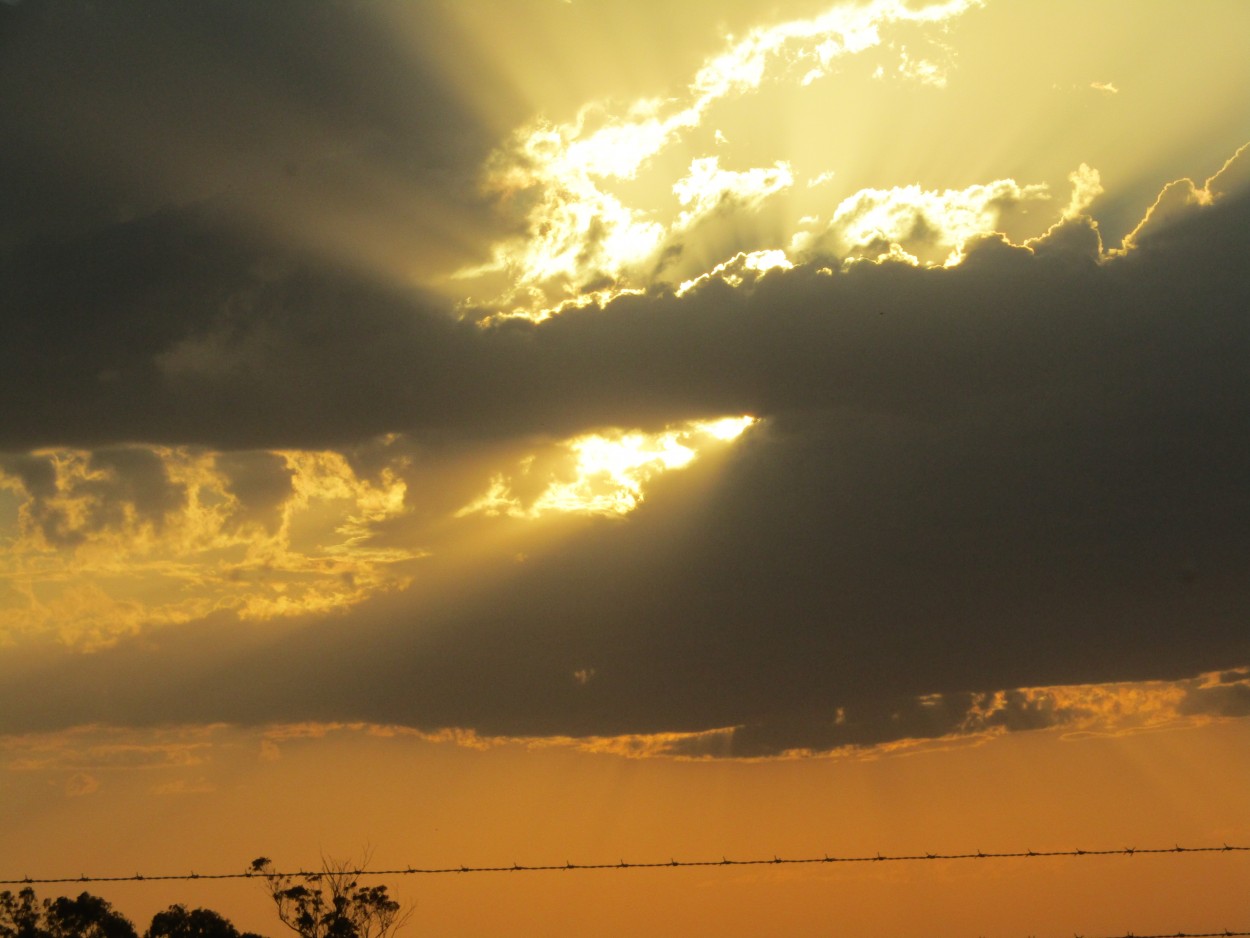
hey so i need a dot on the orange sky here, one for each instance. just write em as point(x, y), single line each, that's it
point(424, 804)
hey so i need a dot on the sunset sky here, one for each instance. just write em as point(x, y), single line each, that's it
point(539, 431)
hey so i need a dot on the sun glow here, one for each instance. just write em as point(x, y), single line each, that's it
point(607, 211)
point(739, 268)
point(602, 473)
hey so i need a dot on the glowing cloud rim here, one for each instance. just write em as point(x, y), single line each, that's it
point(581, 237)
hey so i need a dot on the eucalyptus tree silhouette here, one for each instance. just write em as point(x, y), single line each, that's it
point(179, 922)
point(331, 903)
point(88, 916)
point(24, 916)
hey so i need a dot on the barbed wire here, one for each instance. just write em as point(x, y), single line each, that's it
point(1178, 934)
point(660, 864)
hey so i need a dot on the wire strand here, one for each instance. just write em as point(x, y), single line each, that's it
point(661, 864)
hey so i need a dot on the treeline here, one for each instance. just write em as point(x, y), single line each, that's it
point(328, 904)
point(24, 915)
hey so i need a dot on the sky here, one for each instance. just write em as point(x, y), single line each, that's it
point(543, 431)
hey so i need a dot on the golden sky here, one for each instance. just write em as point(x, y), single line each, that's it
point(553, 430)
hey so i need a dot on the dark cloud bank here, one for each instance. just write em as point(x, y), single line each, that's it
point(177, 329)
point(1031, 469)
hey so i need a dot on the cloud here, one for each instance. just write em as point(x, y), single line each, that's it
point(401, 363)
point(1225, 694)
point(359, 150)
point(1233, 178)
point(598, 473)
point(1027, 470)
point(90, 750)
point(708, 188)
point(1086, 187)
point(1181, 199)
point(933, 225)
point(260, 483)
point(76, 496)
point(579, 236)
point(112, 541)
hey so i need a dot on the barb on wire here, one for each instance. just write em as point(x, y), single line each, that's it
point(673, 863)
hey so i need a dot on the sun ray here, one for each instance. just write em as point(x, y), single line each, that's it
point(581, 233)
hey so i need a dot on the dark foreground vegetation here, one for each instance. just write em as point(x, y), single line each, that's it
point(328, 904)
point(24, 915)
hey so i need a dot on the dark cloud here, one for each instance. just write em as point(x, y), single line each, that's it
point(130, 476)
point(260, 481)
point(1228, 696)
point(293, 117)
point(174, 330)
point(37, 474)
point(1027, 471)
point(812, 590)
point(111, 489)
point(1030, 469)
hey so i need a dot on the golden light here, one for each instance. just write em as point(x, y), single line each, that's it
point(109, 543)
point(669, 145)
point(856, 132)
point(707, 188)
point(610, 205)
point(739, 268)
point(603, 473)
point(933, 225)
point(727, 428)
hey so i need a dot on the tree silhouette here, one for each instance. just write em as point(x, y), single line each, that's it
point(179, 922)
point(20, 915)
point(331, 904)
point(88, 916)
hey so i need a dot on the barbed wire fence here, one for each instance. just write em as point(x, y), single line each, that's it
point(649, 865)
point(723, 862)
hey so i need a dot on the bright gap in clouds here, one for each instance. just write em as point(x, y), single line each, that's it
point(601, 473)
point(653, 191)
point(627, 195)
point(99, 546)
point(877, 130)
